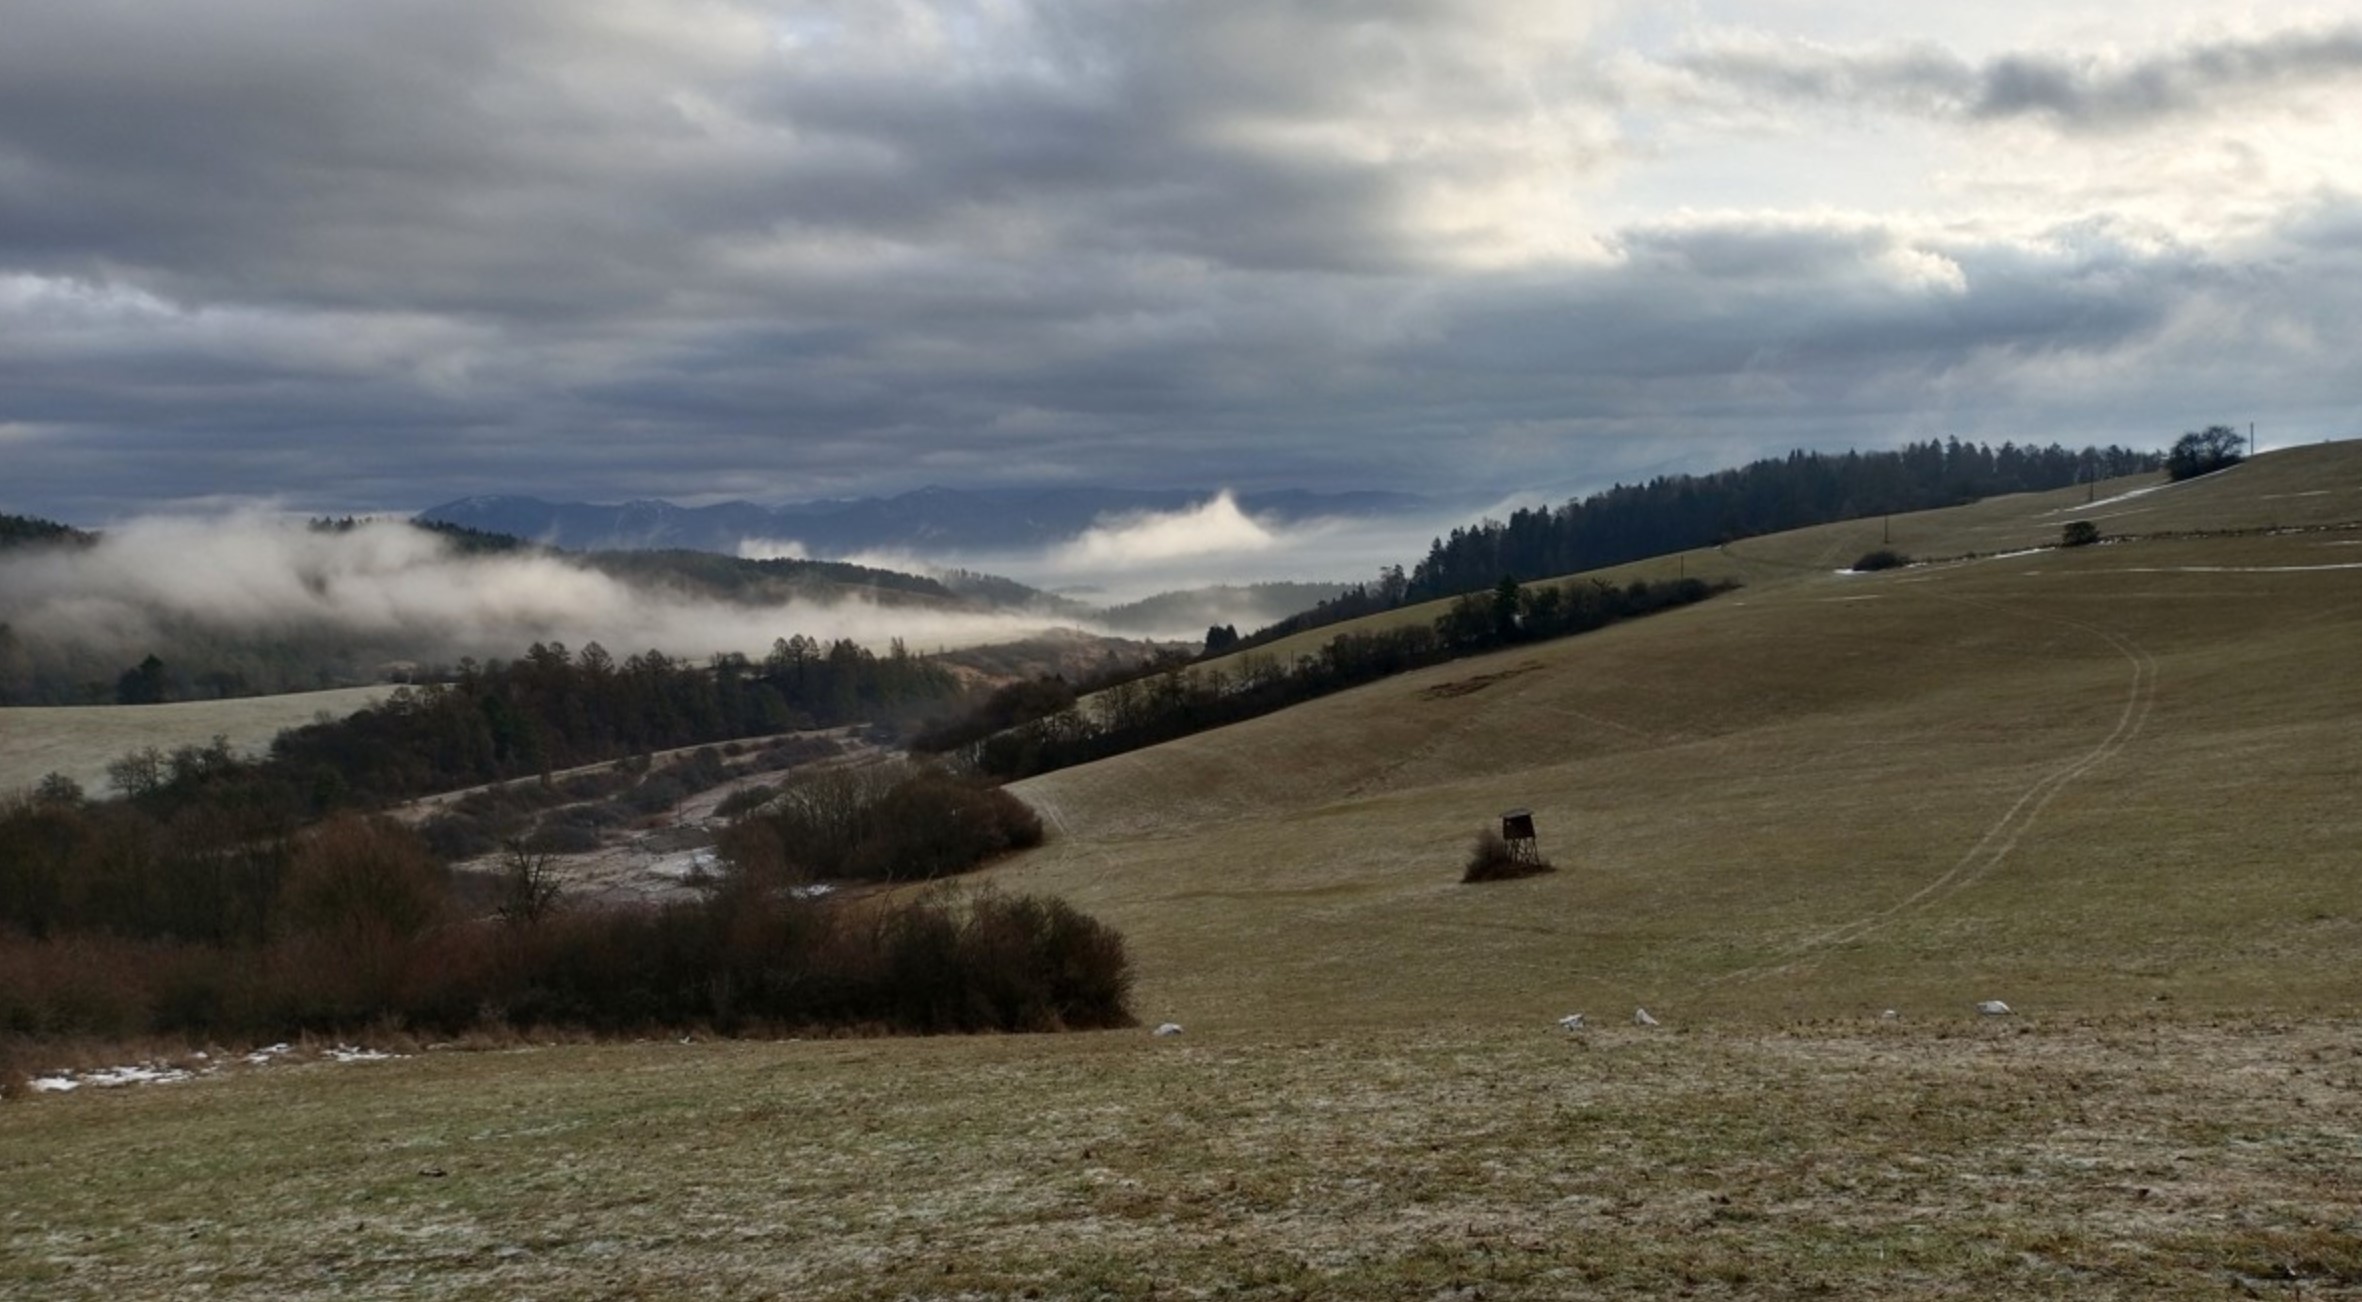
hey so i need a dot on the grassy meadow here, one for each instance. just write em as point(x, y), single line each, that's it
point(81, 740)
point(2118, 787)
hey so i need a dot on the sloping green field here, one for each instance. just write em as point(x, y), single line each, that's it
point(2084, 780)
point(2118, 787)
point(81, 740)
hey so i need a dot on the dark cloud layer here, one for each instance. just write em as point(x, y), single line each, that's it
point(2074, 93)
point(373, 255)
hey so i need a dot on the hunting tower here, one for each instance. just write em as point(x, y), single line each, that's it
point(1517, 832)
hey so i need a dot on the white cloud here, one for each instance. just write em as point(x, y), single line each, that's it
point(771, 549)
point(1213, 528)
point(262, 576)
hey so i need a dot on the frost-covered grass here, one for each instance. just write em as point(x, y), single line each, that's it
point(81, 740)
point(2038, 1158)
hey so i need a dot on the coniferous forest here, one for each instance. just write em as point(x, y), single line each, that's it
point(1678, 512)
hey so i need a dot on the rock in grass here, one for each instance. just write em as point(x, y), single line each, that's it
point(1169, 1028)
point(1993, 1008)
point(1571, 1022)
point(1640, 1017)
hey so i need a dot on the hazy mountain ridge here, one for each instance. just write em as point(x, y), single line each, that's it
point(936, 519)
point(1247, 605)
point(249, 605)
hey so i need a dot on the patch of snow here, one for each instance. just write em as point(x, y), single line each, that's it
point(811, 890)
point(2002, 556)
point(144, 1073)
point(685, 865)
point(2107, 501)
point(158, 1073)
point(2241, 569)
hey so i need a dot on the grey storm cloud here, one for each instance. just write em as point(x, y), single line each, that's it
point(374, 254)
point(2074, 93)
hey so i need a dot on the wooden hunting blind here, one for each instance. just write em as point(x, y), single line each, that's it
point(1517, 832)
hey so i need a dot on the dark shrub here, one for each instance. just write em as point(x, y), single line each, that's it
point(934, 824)
point(1036, 963)
point(658, 793)
point(2079, 533)
point(1489, 860)
point(2202, 452)
point(457, 836)
point(894, 822)
point(699, 769)
point(593, 817)
point(356, 876)
point(594, 784)
point(755, 856)
point(745, 799)
point(739, 960)
point(793, 751)
point(1882, 559)
point(554, 837)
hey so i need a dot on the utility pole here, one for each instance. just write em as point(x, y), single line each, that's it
point(2251, 438)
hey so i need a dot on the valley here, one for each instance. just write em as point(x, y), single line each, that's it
point(1808, 826)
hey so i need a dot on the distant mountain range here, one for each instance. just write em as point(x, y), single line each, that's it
point(930, 521)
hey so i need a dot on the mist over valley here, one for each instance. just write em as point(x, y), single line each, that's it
point(251, 600)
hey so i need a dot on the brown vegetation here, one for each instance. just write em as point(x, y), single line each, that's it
point(881, 822)
point(741, 960)
point(116, 925)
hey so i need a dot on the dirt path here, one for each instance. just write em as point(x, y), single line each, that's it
point(2005, 832)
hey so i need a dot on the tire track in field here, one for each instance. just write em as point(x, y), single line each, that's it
point(2004, 833)
point(1048, 807)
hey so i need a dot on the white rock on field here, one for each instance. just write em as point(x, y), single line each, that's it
point(1169, 1028)
point(1572, 1021)
point(1993, 1008)
point(1640, 1017)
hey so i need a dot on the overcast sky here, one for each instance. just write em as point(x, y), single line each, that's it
point(374, 254)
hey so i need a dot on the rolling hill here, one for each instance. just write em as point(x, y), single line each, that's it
point(2115, 786)
point(2090, 778)
point(81, 740)
point(933, 520)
